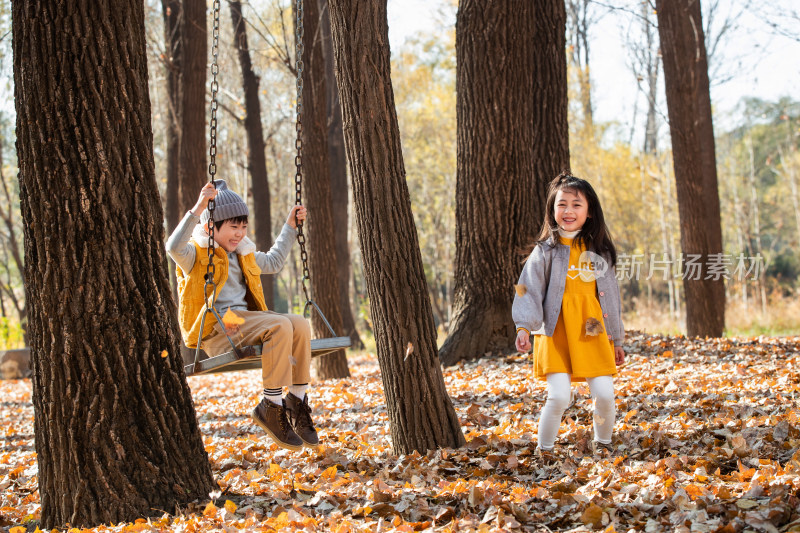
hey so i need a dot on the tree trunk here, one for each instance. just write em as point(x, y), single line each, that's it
point(256, 157)
point(193, 165)
point(579, 23)
point(340, 192)
point(755, 214)
point(683, 51)
point(651, 60)
point(421, 416)
point(316, 175)
point(172, 59)
point(127, 443)
point(12, 246)
point(791, 176)
point(512, 140)
point(185, 113)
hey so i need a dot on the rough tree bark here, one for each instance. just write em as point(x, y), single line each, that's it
point(683, 52)
point(421, 415)
point(256, 157)
point(316, 178)
point(340, 192)
point(512, 140)
point(127, 442)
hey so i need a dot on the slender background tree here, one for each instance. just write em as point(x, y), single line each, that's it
point(256, 152)
point(340, 191)
point(683, 49)
point(316, 177)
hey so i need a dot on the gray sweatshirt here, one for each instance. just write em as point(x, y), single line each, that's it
point(232, 294)
point(544, 277)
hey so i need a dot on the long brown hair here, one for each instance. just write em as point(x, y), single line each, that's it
point(594, 234)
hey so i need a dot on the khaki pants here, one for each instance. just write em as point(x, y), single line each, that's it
point(286, 351)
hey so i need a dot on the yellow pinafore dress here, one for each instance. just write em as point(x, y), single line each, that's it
point(580, 345)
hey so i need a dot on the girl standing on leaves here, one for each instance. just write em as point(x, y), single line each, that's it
point(569, 286)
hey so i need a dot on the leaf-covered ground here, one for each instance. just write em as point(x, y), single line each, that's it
point(708, 433)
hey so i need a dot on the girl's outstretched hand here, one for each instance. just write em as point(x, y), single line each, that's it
point(523, 342)
point(619, 355)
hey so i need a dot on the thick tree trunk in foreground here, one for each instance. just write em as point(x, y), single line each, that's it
point(693, 154)
point(316, 177)
point(512, 140)
point(256, 157)
point(421, 415)
point(126, 444)
point(340, 192)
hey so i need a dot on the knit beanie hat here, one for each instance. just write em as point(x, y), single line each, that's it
point(227, 204)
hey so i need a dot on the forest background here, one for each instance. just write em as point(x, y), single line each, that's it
point(627, 158)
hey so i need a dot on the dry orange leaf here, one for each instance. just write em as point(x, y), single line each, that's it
point(329, 473)
point(231, 319)
point(593, 516)
point(522, 290)
point(164, 354)
point(230, 506)
point(210, 511)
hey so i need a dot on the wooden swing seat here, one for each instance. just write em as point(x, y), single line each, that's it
point(249, 357)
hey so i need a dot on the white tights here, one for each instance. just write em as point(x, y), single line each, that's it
point(559, 387)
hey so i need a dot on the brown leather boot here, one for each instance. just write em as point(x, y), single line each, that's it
point(272, 419)
point(300, 416)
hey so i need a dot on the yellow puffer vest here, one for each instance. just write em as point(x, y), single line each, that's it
point(190, 290)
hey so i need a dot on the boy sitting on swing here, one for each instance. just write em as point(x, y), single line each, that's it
point(286, 351)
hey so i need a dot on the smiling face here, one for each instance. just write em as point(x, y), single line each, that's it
point(571, 209)
point(230, 234)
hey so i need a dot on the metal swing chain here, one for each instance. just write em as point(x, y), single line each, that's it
point(212, 166)
point(298, 143)
point(298, 159)
point(210, 286)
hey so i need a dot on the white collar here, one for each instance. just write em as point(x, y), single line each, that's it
point(568, 234)
point(201, 238)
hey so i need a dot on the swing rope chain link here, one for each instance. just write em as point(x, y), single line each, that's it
point(212, 166)
point(210, 286)
point(298, 143)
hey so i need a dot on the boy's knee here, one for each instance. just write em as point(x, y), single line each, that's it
point(301, 326)
point(281, 328)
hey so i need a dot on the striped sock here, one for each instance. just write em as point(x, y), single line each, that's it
point(299, 391)
point(274, 395)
